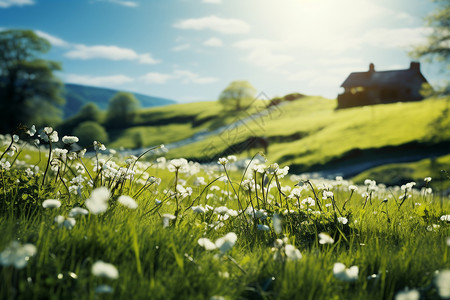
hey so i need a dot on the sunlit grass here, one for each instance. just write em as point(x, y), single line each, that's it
point(397, 237)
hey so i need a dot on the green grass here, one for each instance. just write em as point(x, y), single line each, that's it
point(330, 133)
point(401, 173)
point(395, 244)
point(167, 124)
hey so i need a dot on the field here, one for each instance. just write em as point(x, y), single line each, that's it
point(308, 135)
point(106, 226)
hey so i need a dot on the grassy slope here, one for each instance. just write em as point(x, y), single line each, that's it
point(397, 247)
point(416, 171)
point(167, 124)
point(332, 133)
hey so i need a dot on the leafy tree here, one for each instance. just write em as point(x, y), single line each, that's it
point(29, 92)
point(237, 95)
point(89, 112)
point(90, 131)
point(438, 46)
point(122, 110)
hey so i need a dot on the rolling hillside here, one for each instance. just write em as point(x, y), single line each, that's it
point(77, 95)
point(308, 135)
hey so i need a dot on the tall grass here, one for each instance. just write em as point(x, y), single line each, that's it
point(177, 243)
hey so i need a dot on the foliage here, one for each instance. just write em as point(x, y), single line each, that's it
point(122, 110)
point(89, 112)
point(438, 45)
point(178, 242)
point(29, 92)
point(79, 95)
point(237, 95)
point(90, 131)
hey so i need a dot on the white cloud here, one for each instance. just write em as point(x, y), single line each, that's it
point(396, 37)
point(55, 41)
point(187, 76)
point(181, 47)
point(214, 23)
point(154, 77)
point(213, 42)
point(122, 2)
point(265, 53)
point(111, 81)
point(9, 3)
point(268, 59)
point(213, 1)
point(84, 52)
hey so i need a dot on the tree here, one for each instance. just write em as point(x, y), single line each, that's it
point(90, 131)
point(438, 46)
point(29, 92)
point(237, 95)
point(122, 110)
point(89, 112)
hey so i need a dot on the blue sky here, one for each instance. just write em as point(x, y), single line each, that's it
point(190, 50)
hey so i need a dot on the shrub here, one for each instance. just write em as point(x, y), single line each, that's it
point(90, 131)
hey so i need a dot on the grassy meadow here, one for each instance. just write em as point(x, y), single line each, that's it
point(308, 135)
point(103, 226)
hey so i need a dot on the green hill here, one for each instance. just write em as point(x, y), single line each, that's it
point(308, 134)
point(78, 95)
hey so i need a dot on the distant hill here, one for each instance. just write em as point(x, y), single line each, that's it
point(78, 95)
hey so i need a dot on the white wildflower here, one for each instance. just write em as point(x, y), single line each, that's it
point(17, 255)
point(31, 131)
point(408, 295)
point(292, 253)
point(325, 238)
point(342, 220)
point(78, 211)
point(179, 164)
point(445, 218)
point(442, 282)
point(222, 161)
point(276, 219)
point(68, 139)
point(69, 223)
point(352, 187)
point(206, 243)
point(263, 227)
point(104, 289)
point(51, 203)
point(225, 243)
point(167, 218)
point(127, 201)
point(102, 269)
point(198, 209)
point(98, 201)
point(341, 272)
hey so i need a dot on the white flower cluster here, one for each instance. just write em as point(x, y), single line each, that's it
point(17, 255)
point(224, 244)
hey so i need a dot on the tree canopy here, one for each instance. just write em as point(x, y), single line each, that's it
point(29, 92)
point(237, 95)
point(122, 109)
point(437, 47)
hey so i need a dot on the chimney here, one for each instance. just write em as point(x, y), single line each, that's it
point(415, 66)
point(371, 68)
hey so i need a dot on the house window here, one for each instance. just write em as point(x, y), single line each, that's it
point(356, 90)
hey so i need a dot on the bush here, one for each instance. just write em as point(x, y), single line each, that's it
point(90, 131)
